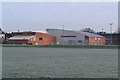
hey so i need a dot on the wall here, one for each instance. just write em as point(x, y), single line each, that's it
point(46, 39)
point(2, 38)
point(17, 41)
point(115, 38)
point(67, 40)
point(97, 40)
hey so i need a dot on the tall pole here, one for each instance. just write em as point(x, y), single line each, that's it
point(111, 31)
point(102, 35)
point(102, 30)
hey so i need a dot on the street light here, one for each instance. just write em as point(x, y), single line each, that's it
point(111, 31)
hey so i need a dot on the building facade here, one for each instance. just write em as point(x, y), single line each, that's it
point(111, 39)
point(32, 38)
point(7, 36)
point(68, 37)
point(2, 36)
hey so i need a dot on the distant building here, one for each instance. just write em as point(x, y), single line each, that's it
point(2, 36)
point(111, 39)
point(32, 38)
point(7, 36)
point(69, 37)
point(87, 30)
point(93, 39)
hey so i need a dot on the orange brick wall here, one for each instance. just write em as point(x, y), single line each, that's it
point(97, 40)
point(46, 39)
point(17, 41)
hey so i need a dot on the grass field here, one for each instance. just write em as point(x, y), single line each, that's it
point(32, 62)
point(66, 46)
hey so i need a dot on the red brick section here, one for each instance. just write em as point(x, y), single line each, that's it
point(96, 40)
point(17, 41)
point(46, 39)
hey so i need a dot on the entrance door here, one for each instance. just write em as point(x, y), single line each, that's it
point(71, 42)
point(36, 44)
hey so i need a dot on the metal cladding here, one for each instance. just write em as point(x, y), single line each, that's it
point(69, 37)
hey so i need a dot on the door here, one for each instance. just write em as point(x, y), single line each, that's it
point(36, 43)
point(71, 42)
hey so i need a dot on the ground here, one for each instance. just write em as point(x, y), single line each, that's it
point(30, 62)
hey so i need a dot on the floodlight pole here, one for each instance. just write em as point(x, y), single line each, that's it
point(102, 30)
point(111, 31)
point(102, 35)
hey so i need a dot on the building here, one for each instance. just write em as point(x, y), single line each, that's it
point(2, 36)
point(111, 39)
point(93, 39)
point(32, 38)
point(69, 37)
point(7, 36)
point(87, 30)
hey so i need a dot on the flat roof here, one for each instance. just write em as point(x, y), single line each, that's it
point(21, 37)
point(91, 34)
point(79, 32)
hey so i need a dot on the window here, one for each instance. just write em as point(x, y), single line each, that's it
point(36, 43)
point(34, 39)
point(40, 38)
point(29, 43)
point(79, 41)
point(95, 38)
point(18, 33)
point(31, 33)
point(68, 36)
point(98, 38)
point(58, 43)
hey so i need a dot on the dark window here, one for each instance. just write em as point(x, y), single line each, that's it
point(29, 43)
point(68, 36)
point(31, 33)
point(79, 41)
point(40, 38)
point(18, 33)
point(47, 29)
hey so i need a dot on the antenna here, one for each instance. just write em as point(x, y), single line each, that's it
point(111, 27)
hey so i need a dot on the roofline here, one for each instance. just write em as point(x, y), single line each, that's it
point(18, 39)
point(30, 32)
point(75, 32)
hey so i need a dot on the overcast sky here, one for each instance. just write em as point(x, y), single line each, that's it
point(38, 16)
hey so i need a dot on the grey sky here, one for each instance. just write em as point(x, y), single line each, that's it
point(38, 16)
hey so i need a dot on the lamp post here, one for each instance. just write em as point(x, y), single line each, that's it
point(111, 32)
point(102, 35)
point(102, 30)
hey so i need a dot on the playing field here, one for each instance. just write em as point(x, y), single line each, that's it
point(59, 62)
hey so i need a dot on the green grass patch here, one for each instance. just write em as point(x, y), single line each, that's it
point(65, 46)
